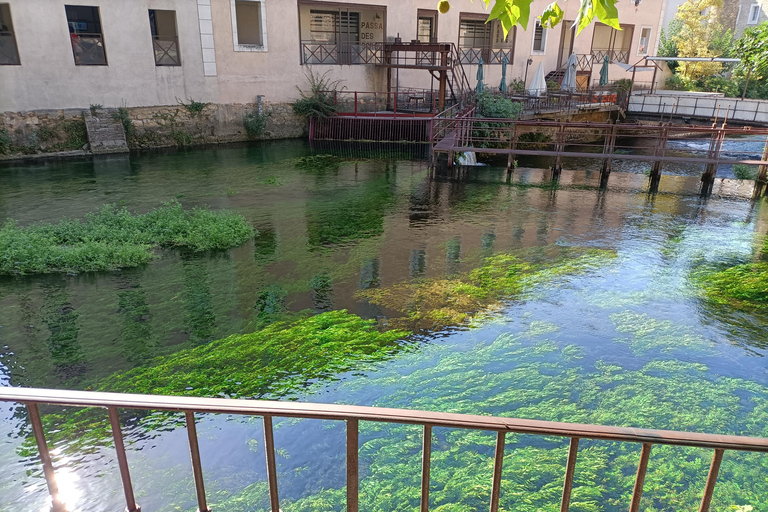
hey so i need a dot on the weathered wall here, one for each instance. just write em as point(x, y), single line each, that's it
point(49, 78)
point(42, 131)
point(48, 131)
point(175, 125)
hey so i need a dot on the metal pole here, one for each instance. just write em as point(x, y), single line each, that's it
point(122, 461)
point(197, 467)
point(45, 458)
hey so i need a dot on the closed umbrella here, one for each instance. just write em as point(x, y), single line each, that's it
point(538, 85)
point(480, 86)
point(503, 84)
point(569, 78)
point(604, 72)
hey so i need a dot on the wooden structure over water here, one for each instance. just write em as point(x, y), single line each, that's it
point(568, 139)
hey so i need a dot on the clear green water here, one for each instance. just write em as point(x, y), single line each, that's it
point(630, 343)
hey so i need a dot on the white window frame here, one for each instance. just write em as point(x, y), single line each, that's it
point(543, 39)
point(263, 21)
point(648, 42)
point(756, 9)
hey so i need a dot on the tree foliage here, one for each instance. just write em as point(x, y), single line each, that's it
point(752, 49)
point(518, 12)
point(700, 35)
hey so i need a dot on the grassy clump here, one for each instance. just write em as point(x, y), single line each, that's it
point(436, 303)
point(742, 286)
point(115, 238)
point(745, 172)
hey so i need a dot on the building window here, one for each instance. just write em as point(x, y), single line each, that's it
point(426, 28)
point(645, 41)
point(481, 40)
point(340, 35)
point(539, 38)
point(86, 36)
point(9, 52)
point(754, 14)
point(165, 40)
point(607, 41)
point(249, 27)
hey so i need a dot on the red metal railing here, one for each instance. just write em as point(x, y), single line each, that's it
point(352, 415)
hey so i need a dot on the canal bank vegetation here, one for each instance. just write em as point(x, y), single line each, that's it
point(115, 238)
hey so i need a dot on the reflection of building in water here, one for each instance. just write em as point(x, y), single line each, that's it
point(418, 267)
point(369, 274)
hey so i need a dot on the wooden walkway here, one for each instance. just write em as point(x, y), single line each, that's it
point(606, 141)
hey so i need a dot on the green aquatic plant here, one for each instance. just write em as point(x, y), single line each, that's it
point(741, 286)
point(320, 162)
point(436, 303)
point(115, 238)
point(551, 380)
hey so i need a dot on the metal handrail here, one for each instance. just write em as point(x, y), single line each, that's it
point(489, 53)
point(352, 415)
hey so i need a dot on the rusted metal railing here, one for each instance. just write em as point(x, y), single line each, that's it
point(352, 415)
point(407, 102)
point(699, 107)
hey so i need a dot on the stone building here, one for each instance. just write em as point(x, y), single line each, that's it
point(75, 53)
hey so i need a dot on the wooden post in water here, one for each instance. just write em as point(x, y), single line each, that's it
point(659, 150)
point(715, 145)
point(557, 168)
point(511, 156)
point(608, 148)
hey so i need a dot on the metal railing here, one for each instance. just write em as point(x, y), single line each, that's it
point(89, 49)
point(408, 102)
point(313, 52)
point(488, 53)
point(598, 54)
point(702, 107)
point(352, 415)
point(9, 53)
point(555, 101)
point(166, 50)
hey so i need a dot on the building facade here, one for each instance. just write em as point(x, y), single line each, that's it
point(738, 15)
point(75, 53)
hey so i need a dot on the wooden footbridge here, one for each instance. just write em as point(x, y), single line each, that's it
point(463, 132)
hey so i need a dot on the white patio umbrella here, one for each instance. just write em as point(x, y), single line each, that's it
point(538, 85)
point(569, 78)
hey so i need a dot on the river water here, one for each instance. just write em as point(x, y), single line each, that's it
point(629, 343)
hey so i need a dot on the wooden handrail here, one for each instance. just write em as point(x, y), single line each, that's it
point(352, 415)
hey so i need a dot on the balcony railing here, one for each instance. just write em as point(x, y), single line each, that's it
point(352, 415)
point(313, 52)
point(489, 55)
point(617, 55)
point(166, 50)
point(9, 53)
point(89, 49)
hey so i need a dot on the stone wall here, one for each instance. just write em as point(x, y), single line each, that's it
point(183, 125)
point(43, 132)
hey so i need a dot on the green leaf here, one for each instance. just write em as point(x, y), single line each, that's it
point(607, 13)
point(551, 16)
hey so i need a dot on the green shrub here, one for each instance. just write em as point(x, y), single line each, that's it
point(255, 123)
point(745, 172)
point(319, 100)
point(496, 106)
point(624, 85)
point(517, 85)
point(115, 238)
point(5, 142)
point(182, 138)
point(94, 108)
point(193, 107)
point(124, 117)
point(76, 134)
point(552, 85)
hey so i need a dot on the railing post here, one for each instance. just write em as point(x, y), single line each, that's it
point(642, 466)
point(355, 102)
point(197, 467)
point(570, 467)
point(426, 460)
point(352, 464)
point(709, 488)
point(45, 458)
point(498, 462)
point(269, 445)
point(122, 461)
